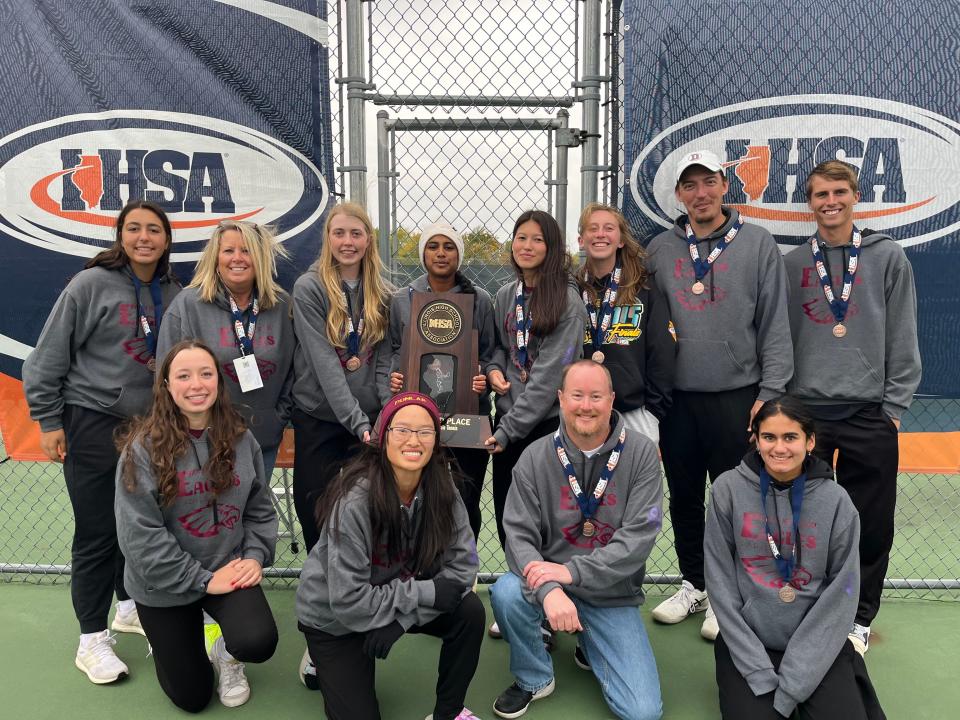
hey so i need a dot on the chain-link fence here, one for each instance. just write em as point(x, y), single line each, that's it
point(468, 105)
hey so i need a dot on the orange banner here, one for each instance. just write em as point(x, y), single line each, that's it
point(21, 436)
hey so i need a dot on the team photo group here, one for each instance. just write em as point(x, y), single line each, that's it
point(705, 350)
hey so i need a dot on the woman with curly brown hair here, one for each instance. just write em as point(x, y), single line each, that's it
point(197, 527)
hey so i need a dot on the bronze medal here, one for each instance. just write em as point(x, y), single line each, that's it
point(524, 376)
point(589, 528)
point(353, 364)
point(152, 364)
point(787, 594)
point(597, 356)
point(839, 330)
point(698, 288)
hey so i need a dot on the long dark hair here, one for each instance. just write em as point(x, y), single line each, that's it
point(164, 433)
point(438, 490)
point(115, 257)
point(789, 407)
point(548, 302)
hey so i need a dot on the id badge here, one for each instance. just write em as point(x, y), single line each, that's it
point(248, 374)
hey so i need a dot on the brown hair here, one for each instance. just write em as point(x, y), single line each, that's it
point(632, 257)
point(165, 434)
point(834, 170)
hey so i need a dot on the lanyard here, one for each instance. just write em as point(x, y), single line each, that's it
point(702, 267)
point(785, 566)
point(245, 336)
point(523, 329)
point(589, 504)
point(148, 333)
point(353, 334)
point(598, 329)
point(838, 306)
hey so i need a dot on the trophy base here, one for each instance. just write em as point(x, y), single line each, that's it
point(465, 431)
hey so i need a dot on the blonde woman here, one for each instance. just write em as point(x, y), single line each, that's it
point(236, 306)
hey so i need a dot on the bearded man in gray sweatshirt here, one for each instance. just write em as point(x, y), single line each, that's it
point(853, 316)
point(581, 518)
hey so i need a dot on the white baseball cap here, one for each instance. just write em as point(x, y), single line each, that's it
point(704, 158)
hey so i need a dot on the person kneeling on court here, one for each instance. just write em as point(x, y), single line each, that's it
point(396, 554)
point(581, 517)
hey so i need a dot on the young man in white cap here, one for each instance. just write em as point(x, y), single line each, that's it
point(853, 315)
point(726, 286)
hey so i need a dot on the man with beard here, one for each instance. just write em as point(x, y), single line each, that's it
point(581, 518)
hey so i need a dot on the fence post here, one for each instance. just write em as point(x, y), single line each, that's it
point(560, 181)
point(356, 84)
point(384, 232)
point(590, 99)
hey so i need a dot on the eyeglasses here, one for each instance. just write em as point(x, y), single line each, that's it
point(403, 433)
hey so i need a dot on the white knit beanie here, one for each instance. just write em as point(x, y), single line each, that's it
point(440, 228)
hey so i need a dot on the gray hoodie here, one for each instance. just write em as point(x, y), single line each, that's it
point(482, 323)
point(736, 333)
point(267, 409)
point(878, 360)
point(92, 352)
point(528, 403)
point(323, 387)
point(172, 551)
point(743, 580)
point(543, 521)
point(349, 585)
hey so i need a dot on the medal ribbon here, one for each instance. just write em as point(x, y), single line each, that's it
point(148, 333)
point(838, 306)
point(523, 327)
point(702, 267)
point(245, 336)
point(598, 330)
point(353, 334)
point(784, 565)
point(589, 504)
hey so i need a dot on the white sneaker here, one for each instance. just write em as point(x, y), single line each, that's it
point(681, 605)
point(494, 631)
point(860, 638)
point(98, 660)
point(308, 672)
point(233, 688)
point(709, 630)
point(129, 623)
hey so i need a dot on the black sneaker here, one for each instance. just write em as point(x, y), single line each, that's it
point(581, 659)
point(514, 701)
point(549, 637)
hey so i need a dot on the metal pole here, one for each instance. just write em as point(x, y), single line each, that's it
point(356, 84)
point(561, 179)
point(590, 94)
point(384, 232)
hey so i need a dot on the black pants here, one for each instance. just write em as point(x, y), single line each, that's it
point(90, 470)
point(347, 676)
point(845, 693)
point(473, 465)
point(703, 433)
point(503, 463)
point(867, 462)
point(321, 449)
point(176, 636)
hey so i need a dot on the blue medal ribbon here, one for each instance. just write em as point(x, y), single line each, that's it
point(245, 335)
point(588, 504)
point(838, 305)
point(598, 329)
point(523, 328)
point(785, 566)
point(354, 335)
point(149, 334)
point(702, 267)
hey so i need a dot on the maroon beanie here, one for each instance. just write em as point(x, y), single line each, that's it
point(402, 400)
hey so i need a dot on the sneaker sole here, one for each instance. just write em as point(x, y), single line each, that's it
point(709, 635)
point(580, 664)
point(310, 682)
point(235, 702)
point(99, 681)
point(673, 619)
point(539, 695)
point(124, 628)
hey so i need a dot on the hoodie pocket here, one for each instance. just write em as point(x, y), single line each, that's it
point(838, 373)
point(110, 401)
point(700, 360)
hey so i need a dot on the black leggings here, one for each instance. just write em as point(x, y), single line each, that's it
point(347, 676)
point(176, 636)
point(473, 465)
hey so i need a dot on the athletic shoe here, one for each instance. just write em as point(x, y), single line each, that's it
point(709, 630)
point(129, 623)
point(860, 638)
point(233, 688)
point(681, 605)
point(494, 631)
point(549, 638)
point(98, 660)
point(514, 701)
point(308, 672)
point(581, 659)
point(465, 714)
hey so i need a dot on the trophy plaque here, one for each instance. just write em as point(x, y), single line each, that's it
point(439, 359)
